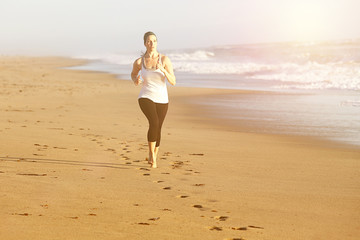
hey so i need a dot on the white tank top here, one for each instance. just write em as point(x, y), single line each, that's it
point(154, 84)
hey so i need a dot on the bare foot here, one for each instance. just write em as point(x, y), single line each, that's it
point(153, 160)
point(153, 165)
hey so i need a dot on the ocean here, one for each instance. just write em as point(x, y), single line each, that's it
point(318, 84)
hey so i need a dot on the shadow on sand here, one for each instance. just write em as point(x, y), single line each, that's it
point(70, 162)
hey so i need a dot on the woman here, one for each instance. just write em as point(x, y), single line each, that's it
point(154, 70)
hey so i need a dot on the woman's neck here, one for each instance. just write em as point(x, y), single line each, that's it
point(152, 54)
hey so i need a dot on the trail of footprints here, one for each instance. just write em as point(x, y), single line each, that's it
point(182, 165)
point(125, 153)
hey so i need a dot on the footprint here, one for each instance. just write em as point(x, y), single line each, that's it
point(199, 185)
point(167, 153)
point(239, 228)
point(215, 228)
point(56, 128)
point(141, 223)
point(23, 214)
point(177, 164)
point(92, 214)
point(251, 226)
point(146, 174)
point(167, 188)
point(197, 206)
point(154, 219)
point(182, 196)
point(197, 154)
point(59, 148)
point(144, 169)
point(221, 218)
point(32, 174)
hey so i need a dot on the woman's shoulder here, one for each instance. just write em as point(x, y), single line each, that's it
point(164, 58)
point(138, 61)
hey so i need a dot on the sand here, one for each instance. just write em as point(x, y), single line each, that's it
point(72, 166)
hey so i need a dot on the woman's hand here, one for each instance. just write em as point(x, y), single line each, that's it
point(167, 69)
point(137, 81)
point(160, 67)
point(135, 76)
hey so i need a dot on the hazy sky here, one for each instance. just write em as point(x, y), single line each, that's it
point(70, 27)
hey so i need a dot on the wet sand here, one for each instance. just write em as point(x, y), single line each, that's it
point(72, 166)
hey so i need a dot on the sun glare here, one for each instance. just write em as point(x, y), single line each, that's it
point(308, 21)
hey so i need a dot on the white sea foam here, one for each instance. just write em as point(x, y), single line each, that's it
point(316, 76)
point(221, 67)
point(191, 56)
point(311, 75)
point(315, 65)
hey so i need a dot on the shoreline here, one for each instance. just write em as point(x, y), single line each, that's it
point(308, 121)
point(74, 166)
point(249, 120)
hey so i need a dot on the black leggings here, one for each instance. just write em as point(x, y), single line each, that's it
point(155, 113)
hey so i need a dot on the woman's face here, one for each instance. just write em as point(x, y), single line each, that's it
point(151, 43)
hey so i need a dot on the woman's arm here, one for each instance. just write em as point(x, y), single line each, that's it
point(167, 69)
point(135, 77)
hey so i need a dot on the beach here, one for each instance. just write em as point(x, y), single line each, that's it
point(72, 165)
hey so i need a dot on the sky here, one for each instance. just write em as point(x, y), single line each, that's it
point(72, 27)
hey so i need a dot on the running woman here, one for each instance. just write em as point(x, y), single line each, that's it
point(152, 70)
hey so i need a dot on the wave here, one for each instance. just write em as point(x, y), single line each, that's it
point(197, 55)
point(311, 75)
point(316, 76)
point(327, 65)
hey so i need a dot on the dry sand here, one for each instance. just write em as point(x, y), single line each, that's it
point(72, 166)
